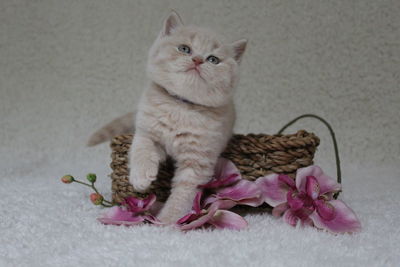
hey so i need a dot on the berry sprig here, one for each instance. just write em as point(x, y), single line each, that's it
point(96, 198)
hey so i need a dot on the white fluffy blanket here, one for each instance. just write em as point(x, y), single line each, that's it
point(47, 223)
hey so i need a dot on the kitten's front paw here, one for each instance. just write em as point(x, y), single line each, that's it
point(142, 174)
point(173, 211)
point(168, 218)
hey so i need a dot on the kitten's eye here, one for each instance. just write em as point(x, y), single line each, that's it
point(184, 49)
point(213, 60)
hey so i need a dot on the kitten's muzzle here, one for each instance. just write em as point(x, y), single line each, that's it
point(197, 60)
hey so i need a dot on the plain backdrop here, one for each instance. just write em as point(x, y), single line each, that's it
point(68, 67)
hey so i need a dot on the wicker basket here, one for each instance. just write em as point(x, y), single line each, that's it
point(254, 155)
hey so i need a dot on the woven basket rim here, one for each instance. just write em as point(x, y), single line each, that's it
point(254, 155)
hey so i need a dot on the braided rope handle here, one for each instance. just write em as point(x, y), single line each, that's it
point(335, 146)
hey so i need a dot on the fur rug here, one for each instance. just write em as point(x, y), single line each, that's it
point(47, 223)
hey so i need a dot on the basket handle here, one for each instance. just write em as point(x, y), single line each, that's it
point(335, 146)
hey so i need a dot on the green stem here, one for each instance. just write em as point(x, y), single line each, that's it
point(95, 190)
point(105, 205)
point(332, 133)
point(104, 200)
point(108, 202)
point(79, 182)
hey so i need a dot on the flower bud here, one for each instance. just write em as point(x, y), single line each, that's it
point(67, 179)
point(96, 199)
point(91, 177)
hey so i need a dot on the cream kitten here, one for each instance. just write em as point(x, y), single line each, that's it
point(186, 112)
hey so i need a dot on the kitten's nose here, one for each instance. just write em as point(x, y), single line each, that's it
point(197, 60)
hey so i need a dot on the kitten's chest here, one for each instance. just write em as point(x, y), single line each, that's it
point(176, 127)
point(177, 121)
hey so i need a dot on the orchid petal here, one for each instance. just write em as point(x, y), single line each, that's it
point(326, 183)
point(225, 168)
point(272, 189)
point(118, 213)
point(228, 219)
point(287, 180)
point(225, 204)
point(196, 223)
point(222, 182)
point(195, 213)
point(152, 219)
point(325, 210)
point(135, 204)
point(312, 187)
point(226, 174)
point(149, 201)
point(290, 218)
point(197, 202)
point(295, 203)
point(344, 221)
point(304, 213)
point(119, 216)
point(252, 202)
point(200, 221)
point(244, 192)
point(307, 222)
point(278, 210)
point(209, 200)
point(299, 216)
point(187, 218)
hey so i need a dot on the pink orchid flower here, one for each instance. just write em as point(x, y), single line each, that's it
point(242, 193)
point(137, 205)
point(225, 191)
point(134, 211)
point(308, 200)
point(215, 215)
point(229, 185)
point(225, 174)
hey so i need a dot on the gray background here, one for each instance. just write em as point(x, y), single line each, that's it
point(68, 67)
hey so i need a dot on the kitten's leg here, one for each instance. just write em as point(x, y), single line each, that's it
point(184, 189)
point(145, 157)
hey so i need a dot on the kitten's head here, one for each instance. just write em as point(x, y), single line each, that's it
point(194, 63)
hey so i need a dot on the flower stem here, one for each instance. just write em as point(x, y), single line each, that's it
point(94, 188)
point(79, 182)
point(97, 192)
point(108, 202)
point(335, 145)
point(105, 205)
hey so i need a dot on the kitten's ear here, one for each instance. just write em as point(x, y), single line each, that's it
point(173, 21)
point(238, 48)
